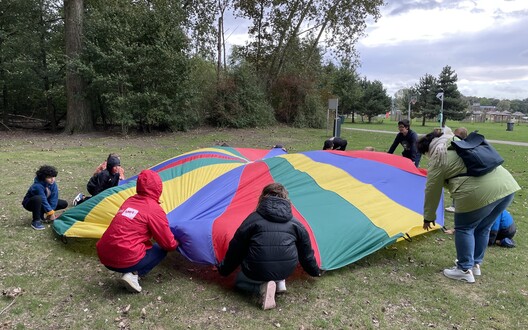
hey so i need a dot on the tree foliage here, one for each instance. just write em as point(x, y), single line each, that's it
point(374, 99)
point(454, 106)
point(31, 68)
point(136, 64)
point(347, 87)
point(163, 64)
point(240, 101)
point(427, 103)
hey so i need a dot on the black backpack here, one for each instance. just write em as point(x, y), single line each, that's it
point(478, 155)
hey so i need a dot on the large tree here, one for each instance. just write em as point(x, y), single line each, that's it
point(79, 116)
point(374, 99)
point(136, 59)
point(347, 87)
point(427, 103)
point(30, 55)
point(278, 26)
point(454, 106)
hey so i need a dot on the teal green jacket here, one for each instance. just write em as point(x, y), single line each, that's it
point(469, 192)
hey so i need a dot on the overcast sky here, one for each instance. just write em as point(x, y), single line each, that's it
point(484, 41)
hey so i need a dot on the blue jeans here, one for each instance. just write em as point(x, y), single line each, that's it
point(472, 231)
point(153, 257)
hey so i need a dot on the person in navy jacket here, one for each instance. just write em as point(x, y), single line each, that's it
point(42, 197)
point(408, 139)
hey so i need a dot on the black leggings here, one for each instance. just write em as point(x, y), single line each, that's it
point(34, 205)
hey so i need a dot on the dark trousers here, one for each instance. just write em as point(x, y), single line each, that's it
point(34, 205)
point(152, 258)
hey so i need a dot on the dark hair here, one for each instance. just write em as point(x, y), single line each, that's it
point(46, 171)
point(424, 142)
point(405, 123)
point(273, 189)
point(328, 144)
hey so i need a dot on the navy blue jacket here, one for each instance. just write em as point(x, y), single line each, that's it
point(48, 192)
point(408, 142)
point(269, 244)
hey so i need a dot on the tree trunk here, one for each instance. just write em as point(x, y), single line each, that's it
point(219, 48)
point(277, 51)
point(79, 116)
point(292, 36)
point(50, 109)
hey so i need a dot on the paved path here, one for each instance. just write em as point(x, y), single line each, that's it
point(513, 143)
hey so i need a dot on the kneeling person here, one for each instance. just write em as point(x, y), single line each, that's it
point(269, 244)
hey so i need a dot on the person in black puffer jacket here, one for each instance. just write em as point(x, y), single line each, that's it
point(269, 244)
point(101, 181)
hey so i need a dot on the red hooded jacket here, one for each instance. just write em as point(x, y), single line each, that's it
point(139, 219)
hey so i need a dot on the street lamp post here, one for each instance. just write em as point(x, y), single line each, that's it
point(412, 100)
point(440, 95)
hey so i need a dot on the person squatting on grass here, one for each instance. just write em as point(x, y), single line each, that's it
point(478, 201)
point(102, 180)
point(126, 246)
point(503, 230)
point(103, 166)
point(268, 245)
point(42, 197)
point(407, 138)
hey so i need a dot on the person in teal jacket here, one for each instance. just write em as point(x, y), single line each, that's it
point(478, 201)
point(503, 230)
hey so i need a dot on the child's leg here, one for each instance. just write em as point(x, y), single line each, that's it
point(34, 205)
point(153, 257)
point(244, 283)
point(61, 204)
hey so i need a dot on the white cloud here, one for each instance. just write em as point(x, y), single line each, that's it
point(484, 41)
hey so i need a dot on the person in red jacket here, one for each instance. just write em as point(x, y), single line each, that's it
point(126, 246)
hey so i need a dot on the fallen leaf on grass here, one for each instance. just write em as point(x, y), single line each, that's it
point(12, 292)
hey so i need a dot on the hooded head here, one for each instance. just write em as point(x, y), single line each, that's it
point(149, 184)
point(111, 162)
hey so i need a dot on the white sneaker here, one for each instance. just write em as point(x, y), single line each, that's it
point(281, 286)
point(131, 282)
point(450, 209)
point(475, 269)
point(77, 199)
point(267, 295)
point(459, 274)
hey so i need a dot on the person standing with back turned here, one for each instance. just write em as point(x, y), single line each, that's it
point(479, 200)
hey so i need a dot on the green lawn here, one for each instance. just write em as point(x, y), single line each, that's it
point(493, 131)
point(399, 287)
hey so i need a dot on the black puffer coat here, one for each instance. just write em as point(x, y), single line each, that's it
point(269, 243)
point(104, 179)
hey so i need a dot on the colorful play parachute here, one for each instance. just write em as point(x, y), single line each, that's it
point(352, 203)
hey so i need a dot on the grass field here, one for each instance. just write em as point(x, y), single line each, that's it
point(63, 286)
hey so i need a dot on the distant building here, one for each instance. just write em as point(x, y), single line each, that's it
point(481, 113)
